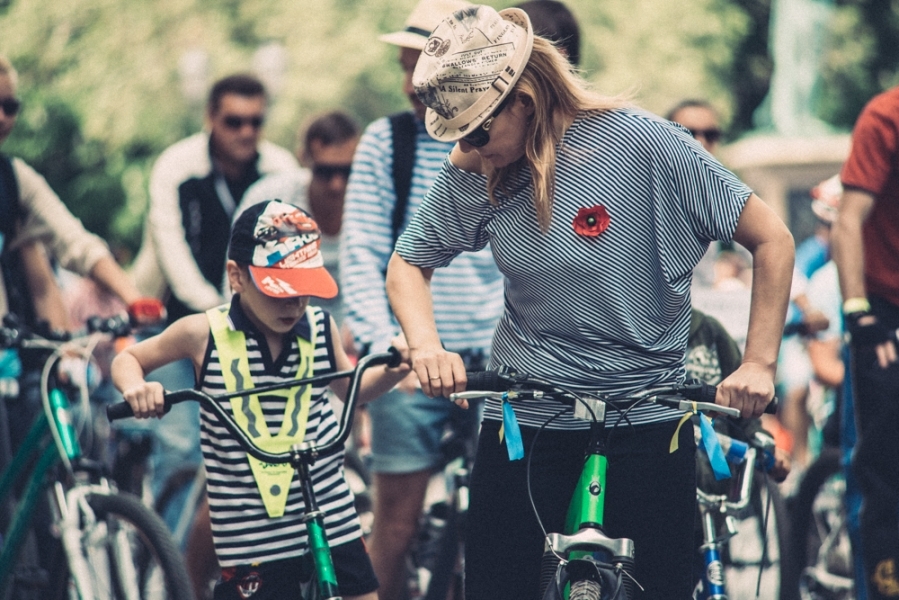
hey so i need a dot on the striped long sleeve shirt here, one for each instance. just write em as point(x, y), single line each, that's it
point(468, 294)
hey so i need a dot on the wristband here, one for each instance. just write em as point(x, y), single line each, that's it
point(856, 305)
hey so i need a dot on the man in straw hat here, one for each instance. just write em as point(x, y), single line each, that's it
point(395, 163)
point(597, 212)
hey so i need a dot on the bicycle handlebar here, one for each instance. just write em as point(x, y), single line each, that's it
point(502, 380)
point(391, 358)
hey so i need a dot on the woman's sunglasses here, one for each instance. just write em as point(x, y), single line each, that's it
point(10, 106)
point(480, 136)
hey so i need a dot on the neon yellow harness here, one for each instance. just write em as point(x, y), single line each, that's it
point(272, 480)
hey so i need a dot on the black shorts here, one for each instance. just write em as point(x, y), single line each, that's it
point(282, 578)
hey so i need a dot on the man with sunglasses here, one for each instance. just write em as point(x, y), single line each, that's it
point(195, 185)
point(328, 143)
point(396, 160)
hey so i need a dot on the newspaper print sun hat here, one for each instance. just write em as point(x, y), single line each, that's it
point(426, 15)
point(469, 65)
point(280, 244)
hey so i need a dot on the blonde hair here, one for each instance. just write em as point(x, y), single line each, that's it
point(7, 69)
point(557, 95)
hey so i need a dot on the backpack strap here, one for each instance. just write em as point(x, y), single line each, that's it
point(9, 200)
point(402, 126)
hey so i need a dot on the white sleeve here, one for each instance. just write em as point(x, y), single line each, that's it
point(166, 227)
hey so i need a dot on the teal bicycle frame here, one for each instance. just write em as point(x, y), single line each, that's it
point(49, 443)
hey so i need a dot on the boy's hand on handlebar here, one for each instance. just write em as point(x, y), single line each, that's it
point(146, 399)
point(749, 389)
point(440, 372)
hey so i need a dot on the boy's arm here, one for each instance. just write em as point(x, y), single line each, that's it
point(376, 380)
point(185, 338)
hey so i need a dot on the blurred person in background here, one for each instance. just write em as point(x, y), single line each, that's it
point(195, 186)
point(865, 247)
point(555, 22)
point(395, 163)
point(701, 120)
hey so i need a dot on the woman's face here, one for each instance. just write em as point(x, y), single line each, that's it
point(507, 135)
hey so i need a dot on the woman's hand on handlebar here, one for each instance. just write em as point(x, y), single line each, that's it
point(440, 372)
point(749, 389)
point(146, 399)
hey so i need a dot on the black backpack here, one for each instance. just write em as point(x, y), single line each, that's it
point(402, 125)
point(17, 295)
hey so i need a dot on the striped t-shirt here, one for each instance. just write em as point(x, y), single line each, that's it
point(610, 313)
point(242, 531)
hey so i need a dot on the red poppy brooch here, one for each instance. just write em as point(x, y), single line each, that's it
point(590, 222)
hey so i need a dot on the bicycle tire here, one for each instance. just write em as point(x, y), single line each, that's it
point(585, 589)
point(803, 542)
point(125, 525)
point(445, 574)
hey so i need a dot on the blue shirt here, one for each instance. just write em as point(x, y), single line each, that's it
point(609, 313)
point(468, 295)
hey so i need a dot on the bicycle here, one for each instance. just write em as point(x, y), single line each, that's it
point(112, 545)
point(582, 562)
point(743, 514)
point(322, 583)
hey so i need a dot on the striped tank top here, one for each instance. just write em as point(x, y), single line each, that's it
point(242, 531)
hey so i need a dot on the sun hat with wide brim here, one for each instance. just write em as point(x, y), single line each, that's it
point(470, 64)
point(426, 15)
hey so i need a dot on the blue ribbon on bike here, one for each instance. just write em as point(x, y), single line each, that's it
point(511, 431)
point(712, 448)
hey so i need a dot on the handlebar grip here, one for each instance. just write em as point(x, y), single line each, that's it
point(120, 410)
point(486, 381)
point(772, 407)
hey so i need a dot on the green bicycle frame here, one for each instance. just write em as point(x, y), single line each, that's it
point(37, 443)
point(325, 576)
point(587, 508)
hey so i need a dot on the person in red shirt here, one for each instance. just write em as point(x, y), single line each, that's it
point(865, 246)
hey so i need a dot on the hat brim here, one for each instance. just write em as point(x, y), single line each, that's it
point(437, 125)
point(291, 283)
point(405, 39)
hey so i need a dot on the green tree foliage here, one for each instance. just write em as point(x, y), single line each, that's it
point(103, 96)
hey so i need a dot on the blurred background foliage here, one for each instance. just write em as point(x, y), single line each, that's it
point(107, 84)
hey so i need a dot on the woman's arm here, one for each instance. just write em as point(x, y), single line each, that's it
point(43, 287)
point(409, 290)
point(762, 232)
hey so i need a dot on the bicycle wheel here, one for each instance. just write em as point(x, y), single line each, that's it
point(131, 554)
point(754, 557)
point(820, 565)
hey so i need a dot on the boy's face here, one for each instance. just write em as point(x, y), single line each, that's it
point(270, 315)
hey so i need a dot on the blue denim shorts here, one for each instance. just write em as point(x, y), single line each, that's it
point(406, 430)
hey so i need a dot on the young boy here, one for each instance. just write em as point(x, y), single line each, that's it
point(268, 333)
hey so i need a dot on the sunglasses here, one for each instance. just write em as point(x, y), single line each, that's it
point(480, 137)
point(236, 123)
point(711, 135)
point(327, 172)
point(10, 106)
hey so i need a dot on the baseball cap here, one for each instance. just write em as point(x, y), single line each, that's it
point(280, 244)
point(826, 199)
point(421, 22)
point(469, 65)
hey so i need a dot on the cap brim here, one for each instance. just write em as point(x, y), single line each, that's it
point(290, 283)
point(405, 39)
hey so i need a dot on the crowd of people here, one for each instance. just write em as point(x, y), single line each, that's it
point(509, 224)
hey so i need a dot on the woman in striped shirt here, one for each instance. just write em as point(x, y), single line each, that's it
point(596, 213)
